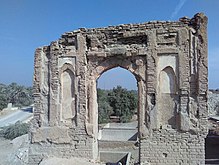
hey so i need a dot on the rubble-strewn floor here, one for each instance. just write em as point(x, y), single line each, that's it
point(6, 148)
point(63, 161)
point(14, 152)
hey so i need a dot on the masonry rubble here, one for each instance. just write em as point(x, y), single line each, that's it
point(169, 62)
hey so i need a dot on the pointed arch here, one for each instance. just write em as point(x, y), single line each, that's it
point(168, 83)
point(67, 93)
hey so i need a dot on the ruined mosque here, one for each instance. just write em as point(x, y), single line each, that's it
point(168, 60)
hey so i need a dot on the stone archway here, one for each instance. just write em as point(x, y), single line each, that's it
point(135, 66)
point(126, 64)
point(172, 52)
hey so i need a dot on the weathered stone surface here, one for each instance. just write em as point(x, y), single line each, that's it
point(169, 61)
point(65, 161)
point(52, 135)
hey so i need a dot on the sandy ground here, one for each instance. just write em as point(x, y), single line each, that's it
point(63, 161)
point(14, 152)
point(11, 117)
point(6, 148)
point(6, 112)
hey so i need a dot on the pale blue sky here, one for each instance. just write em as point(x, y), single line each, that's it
point(28, 24)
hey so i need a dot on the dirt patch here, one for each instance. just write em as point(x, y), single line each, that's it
point(64, 161)
point(6, 112)
point(14, 152)
point(6, 148)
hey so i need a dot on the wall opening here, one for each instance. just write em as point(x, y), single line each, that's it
point(117, 97)
point(168, 97)
point(168, 81)
point(67, 96)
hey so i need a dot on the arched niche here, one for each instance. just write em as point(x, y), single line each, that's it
point(168, 83)
point(68, 111)
point(168, 98)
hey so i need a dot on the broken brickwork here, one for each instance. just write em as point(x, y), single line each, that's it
point(169, 62)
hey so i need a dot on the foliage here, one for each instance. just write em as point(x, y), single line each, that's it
point(118, 102)
point(123, 102)
point(217, 108)
point(15, 130)
point(3, 99)
point(104, 109)
point(16, 94)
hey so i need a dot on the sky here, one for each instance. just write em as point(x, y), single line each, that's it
point(28, 24)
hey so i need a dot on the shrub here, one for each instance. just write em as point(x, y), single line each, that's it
point(16, 94)
point(15, 130)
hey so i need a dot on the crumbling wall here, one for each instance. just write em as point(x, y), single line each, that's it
point(169, 62)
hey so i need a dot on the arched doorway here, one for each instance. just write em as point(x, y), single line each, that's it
point(117, 116)
point(136, 71)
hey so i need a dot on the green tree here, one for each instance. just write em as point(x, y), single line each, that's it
point(104, 109)
point(19, 95)
point(216, 109)
point(16, 94)
point(123, 102)
point(3, 99)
